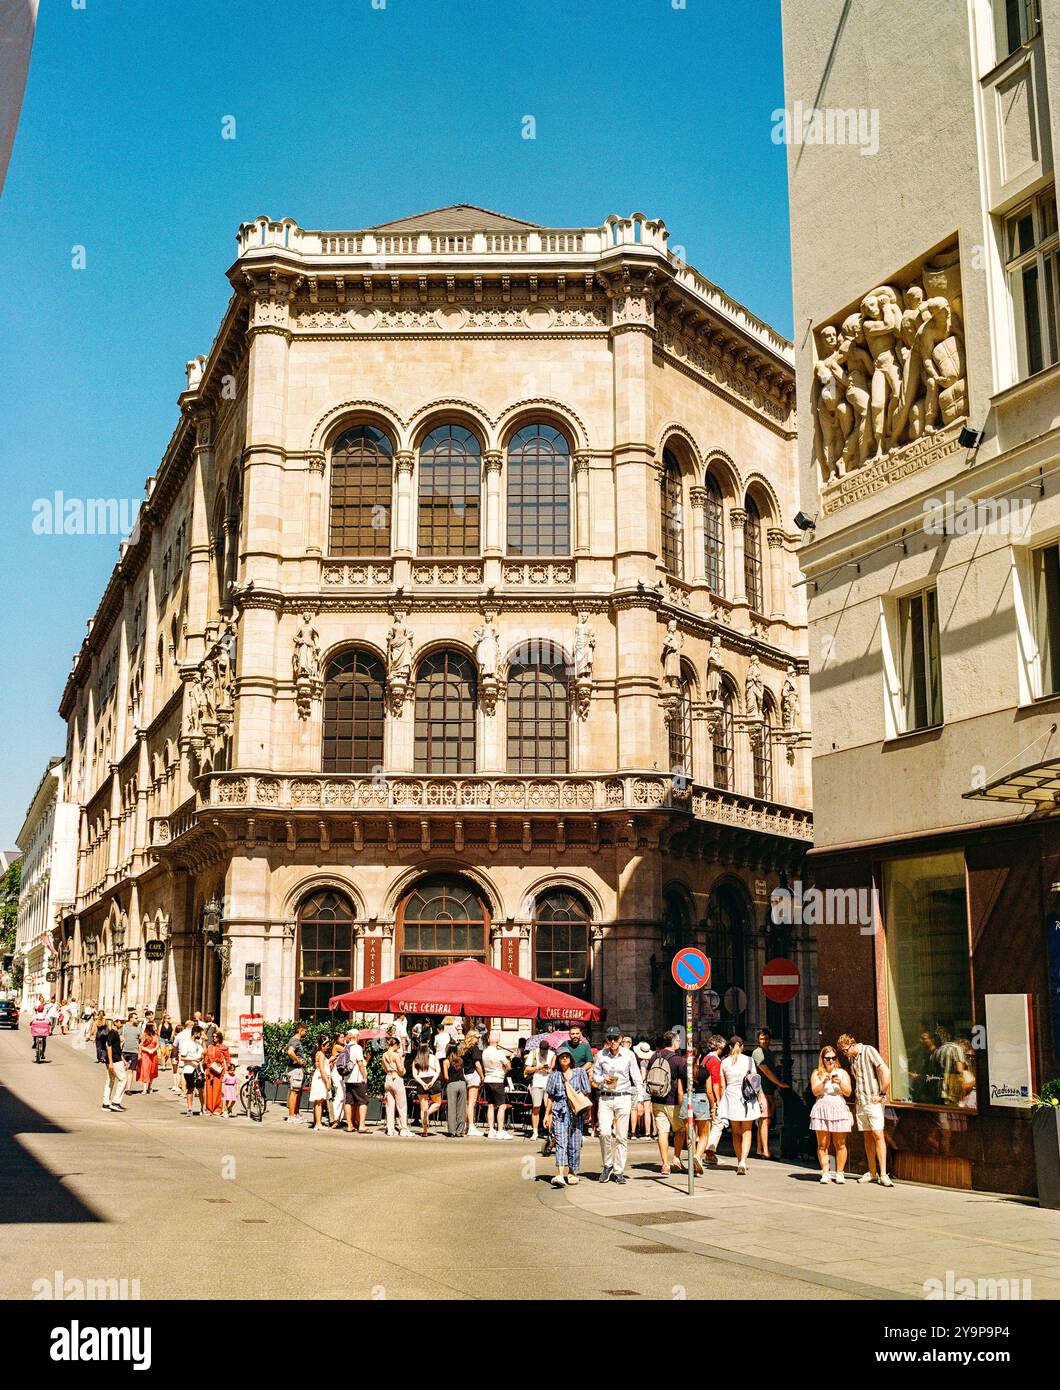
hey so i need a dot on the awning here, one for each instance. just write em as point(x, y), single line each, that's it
point(1038, 784)
point(467, 987)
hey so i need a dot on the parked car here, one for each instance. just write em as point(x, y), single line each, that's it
point(8, 1013)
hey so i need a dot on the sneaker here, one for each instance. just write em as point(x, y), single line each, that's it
point(504, 1134)
point(826, 1177)
point(406, 1134)
point(559, 1180)
point(104, 1107)
point(741, 1170)
point(491, 1134)
point(472, 1130)
point(840, 1179)
point(621, 1179)
point(572, 1178)
point(607, 1174)
point(867, 1177)
point(885, 1180)
point(118, 1107)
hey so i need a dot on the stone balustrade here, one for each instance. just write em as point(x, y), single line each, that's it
point(266, 792)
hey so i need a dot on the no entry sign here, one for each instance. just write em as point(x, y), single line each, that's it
point(780, 980)
point(690, 968)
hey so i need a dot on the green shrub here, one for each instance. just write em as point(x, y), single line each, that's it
point(1050, 1093)
point(277, 1035)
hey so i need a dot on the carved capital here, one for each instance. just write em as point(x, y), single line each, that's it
point(737, 518)
point(698, 497)
point(315, 463)
point(494, 461)
point(581, 464)
point(405, 461)
point(775, 539)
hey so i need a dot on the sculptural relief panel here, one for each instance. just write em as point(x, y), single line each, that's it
point(889, 376)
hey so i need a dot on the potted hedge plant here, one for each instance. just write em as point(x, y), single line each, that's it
point(276, 1037)
point(1045, 1126)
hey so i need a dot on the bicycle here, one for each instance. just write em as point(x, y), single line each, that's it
point(251, 1096)
point(38, 1048)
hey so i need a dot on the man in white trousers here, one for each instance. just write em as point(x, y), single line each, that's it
point(616, 1074)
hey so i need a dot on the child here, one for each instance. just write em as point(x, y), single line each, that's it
point(228, 1090)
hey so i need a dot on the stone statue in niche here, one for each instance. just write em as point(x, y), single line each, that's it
point(715, 666)
point(487, 648)
point(305, 659)
point(789, 701)
point(671, 654)
point(894, 370)
point(398, 661)
point(753, 689)
point(584, 655)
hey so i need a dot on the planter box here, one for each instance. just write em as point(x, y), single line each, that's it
point(1045, 1126)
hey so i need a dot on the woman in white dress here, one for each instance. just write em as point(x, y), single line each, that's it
point(320, 1089)
point(739, 1103)
point(830, 1116)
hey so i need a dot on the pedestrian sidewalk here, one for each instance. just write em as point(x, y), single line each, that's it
point(862, 1238)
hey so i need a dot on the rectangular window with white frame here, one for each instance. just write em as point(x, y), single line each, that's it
point(1016, 22)
point(1032, 266)
point(1045, 568)
point(917, 665)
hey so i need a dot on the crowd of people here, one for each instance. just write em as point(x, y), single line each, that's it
point(623, 1090)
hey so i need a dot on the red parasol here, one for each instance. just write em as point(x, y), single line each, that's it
point(468, 987)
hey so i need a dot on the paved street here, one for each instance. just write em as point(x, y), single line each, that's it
point(192, 1206)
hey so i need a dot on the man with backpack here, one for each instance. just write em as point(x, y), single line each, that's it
point(351, 1066)
point(664, 1080)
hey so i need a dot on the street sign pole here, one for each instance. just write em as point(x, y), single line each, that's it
point(690, 1129)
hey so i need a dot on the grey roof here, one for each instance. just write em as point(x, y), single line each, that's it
point(457, 217)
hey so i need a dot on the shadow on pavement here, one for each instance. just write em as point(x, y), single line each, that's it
point(32, 1192)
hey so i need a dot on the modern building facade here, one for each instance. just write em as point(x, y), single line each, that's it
point(460, 620)
point(48, 843)
point(924, 237)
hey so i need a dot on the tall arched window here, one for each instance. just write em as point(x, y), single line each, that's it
point(673, 550)
point(362, 488)
point(723, 741)
point(450, 469)
point(714, 538)
point(752, 554)
point(679, 729)
point(233, 529)
point(561, 942)
point(354, 709)
point(538, 711)
point(219, 551)
point(325, 951)
point(442, 920)
point(538, 492)
point(727, 937)
point(762, 751)
point(445, 713)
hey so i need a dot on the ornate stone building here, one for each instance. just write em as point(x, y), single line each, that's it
point(459, 620)
point(48, 841)
point(928, 290)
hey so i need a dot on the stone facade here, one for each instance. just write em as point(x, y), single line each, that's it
point(48, 841)
point(205, 708)
point(928, 458)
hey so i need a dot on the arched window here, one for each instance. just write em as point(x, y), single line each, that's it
point(450, 467)
point(673, 550)
point(561, 942)
point(714, 538)
point(727, 937)
point(445, 713)
point(679, 730)
point(233, 529)
point(752, 554)
point(723, 740)
point(354, 689)
point(362, 487)
point(538, 711)
point(762, 752)
point(538, 492)
point(442, 920)
point(325, 951)
point(219, 551)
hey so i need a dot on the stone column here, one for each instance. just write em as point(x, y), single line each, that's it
point(582, 512)
point(493, 463)
point(737, 517)
point(265, 502)
point(637, 508)
point(317, 537)
point(199, 548)
point(404, 462)
point(777, 565)
point(698, 498)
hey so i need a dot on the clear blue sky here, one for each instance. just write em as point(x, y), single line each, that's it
point(345, 116)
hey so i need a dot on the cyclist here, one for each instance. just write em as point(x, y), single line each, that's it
point(39, 1029)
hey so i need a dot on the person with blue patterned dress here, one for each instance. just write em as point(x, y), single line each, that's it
point(560, 1118)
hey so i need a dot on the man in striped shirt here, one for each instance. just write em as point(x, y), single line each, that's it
point(872, 1080)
